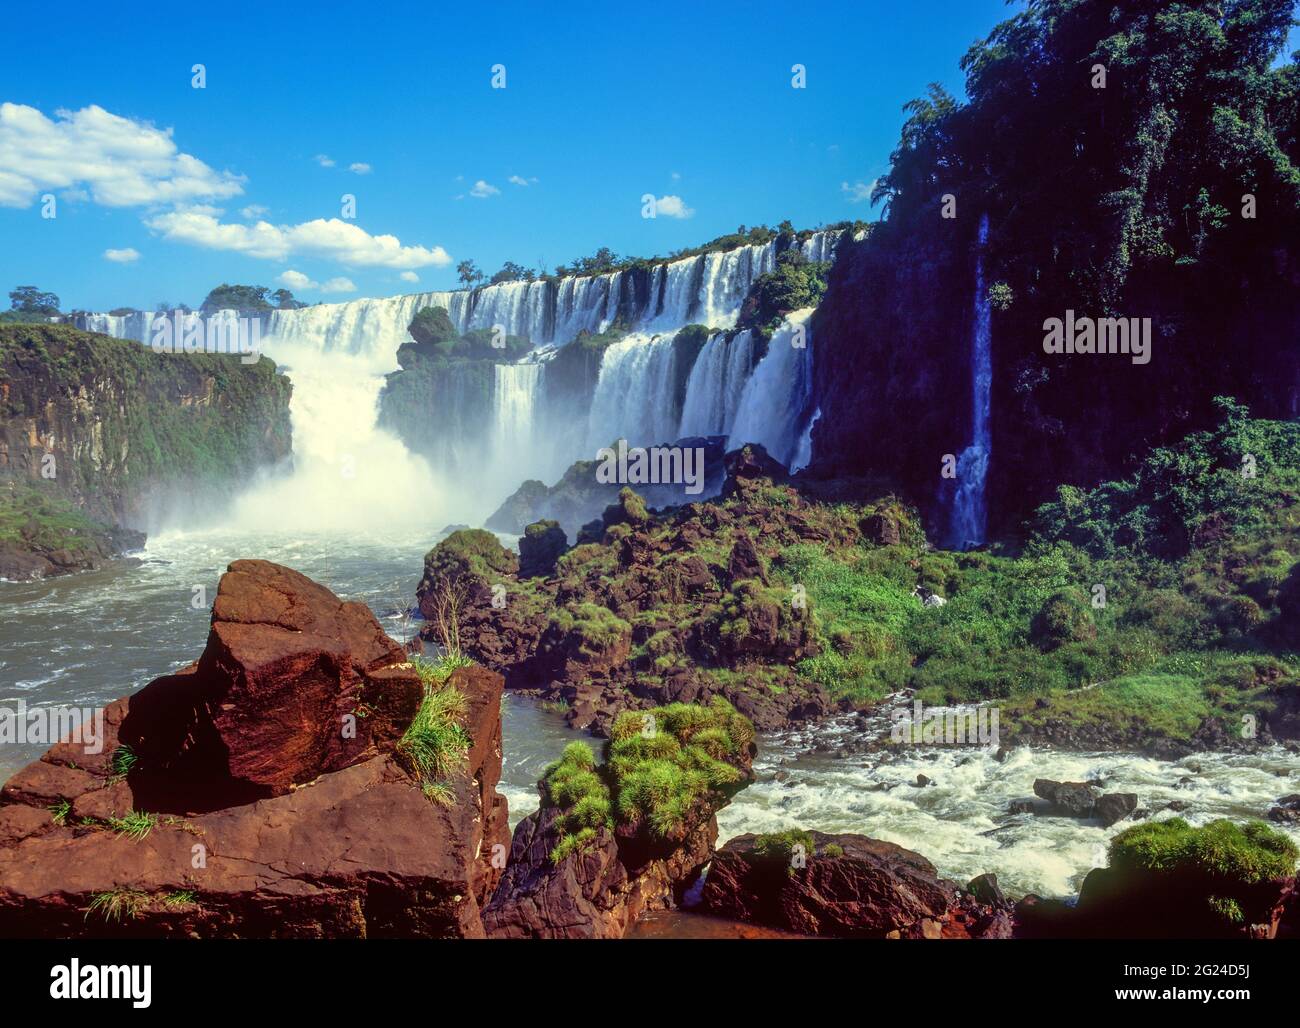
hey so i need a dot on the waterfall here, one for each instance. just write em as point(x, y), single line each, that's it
point(773, 408)
point(634, 394)
point(637, 396)
point(969, 507)
point(715, 384)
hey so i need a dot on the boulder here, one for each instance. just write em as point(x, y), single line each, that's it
point(255, 814)
point(1287, 810)
point(744, 561)
point(1115, 806)
point(542, 544)
point(1073, 799)
point(848, 886)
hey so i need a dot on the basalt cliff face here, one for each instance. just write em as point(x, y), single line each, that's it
point(98, 434)
point(261, 792)
point(1162, 185)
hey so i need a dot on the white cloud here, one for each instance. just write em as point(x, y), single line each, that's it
point(254, 211)
point(482, 190)
point(124, 256)
point(676, 175)
point(115, 161)
point(519, 180)
point(673, 207)
point(333, 239)
point(324, 160)
point(409, 276)
point(359, 168)
point(296, 280)
point(858, 191)
point(304, 283)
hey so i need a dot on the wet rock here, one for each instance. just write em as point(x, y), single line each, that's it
point(862, 887)
point(985, 888)
point(1115, 806)
point(1287, 810)
point(1073, 799)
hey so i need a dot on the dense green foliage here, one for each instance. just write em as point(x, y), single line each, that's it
point(664, 770)
point(435, 743)
point(795, 283)
point(238, 298)
point(1222, 862)
point(1232, 479)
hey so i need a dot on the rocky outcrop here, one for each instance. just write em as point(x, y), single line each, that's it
point(261, 791)
point(579, 497)
point(595, 633)
point(604, 848)
point(593, 894)
point(848, 886)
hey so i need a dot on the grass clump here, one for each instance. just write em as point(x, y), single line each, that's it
point(59, 812)
point(574, 785)
point(135, 825)
point(779, 847)
point(436, 742)
point(122, 762)
point(118, 905)
point(1245, 854)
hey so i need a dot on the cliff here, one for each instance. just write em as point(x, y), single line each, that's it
point(96, 433)
point(1167, 188)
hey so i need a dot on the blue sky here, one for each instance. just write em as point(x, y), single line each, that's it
point(603, 103)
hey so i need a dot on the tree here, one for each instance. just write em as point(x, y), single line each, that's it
point(238, 298)
point(468, 273)
point(285, 301)
point(512, 272)
point(432, 325)
point(30, 300)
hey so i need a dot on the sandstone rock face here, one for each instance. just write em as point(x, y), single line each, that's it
point(267, 819)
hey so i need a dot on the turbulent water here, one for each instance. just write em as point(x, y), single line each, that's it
point(969, 507)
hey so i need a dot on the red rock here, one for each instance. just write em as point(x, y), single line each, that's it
point(268, 822)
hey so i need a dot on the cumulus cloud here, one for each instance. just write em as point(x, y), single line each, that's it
point(409, 276)
point(359, 168)
point(305, 283)
point(296, 280)
point(123, 256)
point(330, 238)
point(858, 191)
point(93, 154)
point(673, 207)
point(482, 190)
point(254, 211)
point(324, 160)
